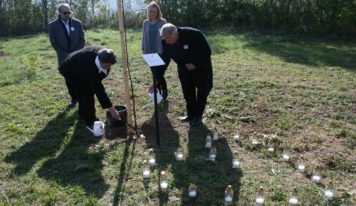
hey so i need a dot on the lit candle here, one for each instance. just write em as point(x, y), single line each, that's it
point(208, 141)
point(254, 141)
point(215, 135)
point(236, 136)
point(192, 191)
point(235, 163)
point(301, 168)
point(286, 156)
point(293, 200)
point(151, 158)
point(212, 154)
point(163, 183)
point(316, 178)
point(329, 194)
point(146, 173)
point(260, 201)
point(229, 194)
point(260, 197)
point(270, 149)
point(179, 154)
point(146, 170)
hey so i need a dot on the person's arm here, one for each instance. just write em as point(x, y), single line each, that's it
point(202, 50)
point(53, 39)
point(81, 41)
point(99, 91)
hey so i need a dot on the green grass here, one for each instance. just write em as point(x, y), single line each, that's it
point(303, 90)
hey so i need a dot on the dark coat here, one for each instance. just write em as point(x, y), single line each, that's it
point(61, 42)
point(80, 68)
point(191, 47)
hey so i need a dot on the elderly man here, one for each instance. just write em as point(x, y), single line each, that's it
point(66, 35)
point(83, 71)
point(190, 50)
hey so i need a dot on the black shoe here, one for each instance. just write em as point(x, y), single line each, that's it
point(185, 118)
point(196, 122)
point(164, 94)
point(73, 103)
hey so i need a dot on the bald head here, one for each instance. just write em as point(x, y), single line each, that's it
point(64, 11)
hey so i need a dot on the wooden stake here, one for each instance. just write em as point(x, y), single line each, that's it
point(124, 63)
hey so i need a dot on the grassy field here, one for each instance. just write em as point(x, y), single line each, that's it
point(296, 94)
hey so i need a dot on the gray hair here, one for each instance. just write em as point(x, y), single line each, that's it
point(62, 5)
point(107, 56)
point(168, 29)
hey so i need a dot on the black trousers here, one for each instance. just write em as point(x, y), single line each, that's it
point(196, 85)
point(84, 93)
point(161, 83)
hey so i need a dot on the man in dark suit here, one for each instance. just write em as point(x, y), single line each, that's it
point(66, 35)
point(190, 50)
point(83, 71)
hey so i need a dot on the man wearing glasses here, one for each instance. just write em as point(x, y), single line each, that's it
point(66, 36)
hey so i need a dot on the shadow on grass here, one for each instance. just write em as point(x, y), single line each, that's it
point(76, 165)
point(169, 143)
point(45, 144)
point(310, 52)
point(212, 178)
point(125, 168)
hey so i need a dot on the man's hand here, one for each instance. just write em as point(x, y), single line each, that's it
point(114, 113)
point(190, 66)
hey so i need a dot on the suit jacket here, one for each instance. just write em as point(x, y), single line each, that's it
point(80, 69)
point(191, 47)
point(63, 43)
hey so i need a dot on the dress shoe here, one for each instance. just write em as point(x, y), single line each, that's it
point(196, 122)
point(185, 118)
point(73, 103)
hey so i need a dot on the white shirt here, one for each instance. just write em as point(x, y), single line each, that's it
point(66, 24)
point(100, 69)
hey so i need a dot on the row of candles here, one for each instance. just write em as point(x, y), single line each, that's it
point(228, 197)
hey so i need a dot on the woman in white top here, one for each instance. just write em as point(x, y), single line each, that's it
point(151, 42)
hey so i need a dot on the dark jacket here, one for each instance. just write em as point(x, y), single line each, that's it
point(191, 47)
point(61, 42)
point(80, 68)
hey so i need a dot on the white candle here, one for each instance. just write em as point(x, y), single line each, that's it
point(164, 185)
point(180, 156)
point(212, 157)
point(236, 137)
point(260, 200)
point(208, 145)
point(285, 157)
point(235, 163)
point(293, 200)
point(316, 178)
point(152, 161)
point(228, 199)
point(146, 173)
point(192, 193)
point(255, 142)
point(216, 136)
point(329, 194)
point(271, 149)
point(301, 168)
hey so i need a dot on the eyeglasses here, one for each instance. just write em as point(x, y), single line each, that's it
point(66, 12)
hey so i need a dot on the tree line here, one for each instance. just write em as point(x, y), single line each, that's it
point(298, 16)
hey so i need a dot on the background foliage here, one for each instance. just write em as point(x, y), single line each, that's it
point(298, 16)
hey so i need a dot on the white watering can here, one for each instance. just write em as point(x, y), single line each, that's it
point(98, 129)
point(152, 97)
